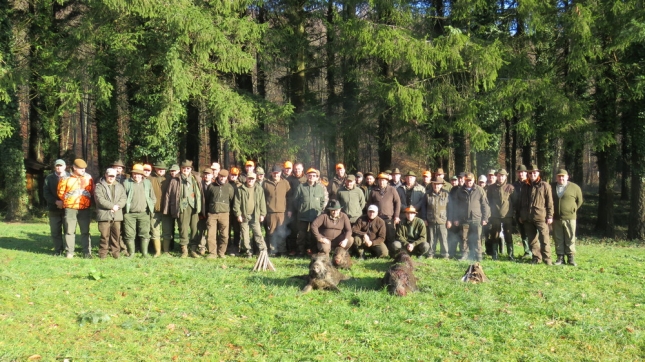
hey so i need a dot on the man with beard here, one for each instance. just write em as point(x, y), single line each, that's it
point(536, 214)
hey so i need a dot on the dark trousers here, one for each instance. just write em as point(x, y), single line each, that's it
point(57, 229)
point(110, 235)
point(538, 235)
point(304, 236)
point(457, 238)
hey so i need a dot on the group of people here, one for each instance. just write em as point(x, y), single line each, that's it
point(300, 213)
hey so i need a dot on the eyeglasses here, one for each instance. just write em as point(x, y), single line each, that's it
point(111, 175)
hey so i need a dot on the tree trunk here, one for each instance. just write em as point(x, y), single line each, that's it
point(625, 156)
point(13, 179)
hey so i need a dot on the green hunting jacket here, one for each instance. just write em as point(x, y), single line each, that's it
point(566, 207)
point(413, 232)
point(435, 207)
point(309, 201)
point(242, 200)
point(352, 201)
point(151, 200)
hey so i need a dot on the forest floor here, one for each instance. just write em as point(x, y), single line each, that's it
point(53, 308)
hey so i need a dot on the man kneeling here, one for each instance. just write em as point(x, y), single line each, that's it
point(332, 229)
point(369, 234)
point(411, 234)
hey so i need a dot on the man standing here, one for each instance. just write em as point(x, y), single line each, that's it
point(156, 220)
point(439, 175)
point(536, 214)
point(338, 182)
point(295, 179)
point(275, 192)
point(259, 173)
point(202, 227)
point(120, 175)
point(77, 192)
point(369, 184)
point(388, 202)
point(184, 202)
point(168, 223)
point(566, 205)
point(411, 235)
point(435, 213)
point(250, 209)
point(216, 168)
point(501, 200)
point(233, 179)
point(249, 167)
point(522, 177)
point(219, 196)
point(287, 168)
point(332, 229)
point(426, 182)
point(308, 201)
point(139, 206)
point(110, 201)
point(471, 212)
point(369, 234)
point(351, 199)
point(413, 193)
point(56, 212)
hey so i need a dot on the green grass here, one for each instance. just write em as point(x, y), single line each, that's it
point(169, 308)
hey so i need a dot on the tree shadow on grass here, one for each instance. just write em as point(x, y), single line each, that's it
point(380, 265)
point(36, 243)
point(32, 242)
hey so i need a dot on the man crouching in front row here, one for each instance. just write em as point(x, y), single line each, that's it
point(332, 229)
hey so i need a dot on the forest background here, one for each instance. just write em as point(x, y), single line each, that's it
point(465, 85)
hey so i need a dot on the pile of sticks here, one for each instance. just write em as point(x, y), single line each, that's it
point(263, 262)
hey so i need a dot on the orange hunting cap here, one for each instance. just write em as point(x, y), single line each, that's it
point(340, 166)
point(235, 171)
point(288, 164)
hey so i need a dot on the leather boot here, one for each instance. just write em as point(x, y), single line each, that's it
point(184, 251)
point(130, 249)
point(494, 248)
point(570, 260)
point(144, 247)
point(193, 251)
point(509, 250)
point(560, 259)
point(157, 244)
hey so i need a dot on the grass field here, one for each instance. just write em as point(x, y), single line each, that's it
point(188, 309)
